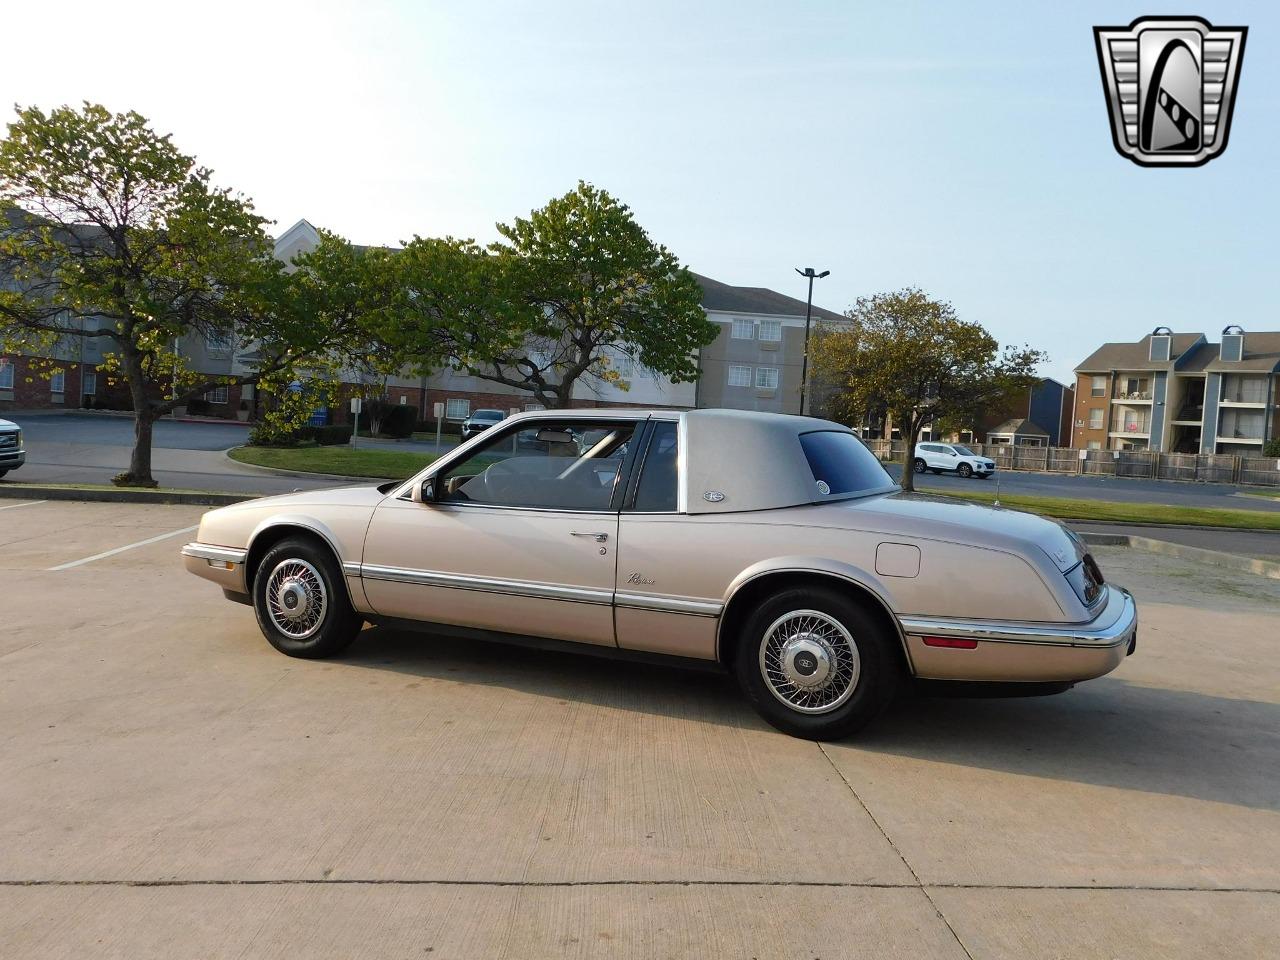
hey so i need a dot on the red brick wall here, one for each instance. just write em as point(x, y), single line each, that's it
point(36, 395)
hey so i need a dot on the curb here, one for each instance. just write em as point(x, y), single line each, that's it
point(14, 491)
point(275, 472)
point(1166, 526)
point(1230, 561)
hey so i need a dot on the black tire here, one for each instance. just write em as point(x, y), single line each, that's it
point(878, 678)
point(965, 470)
point(337, 624)
point(3, 472)
point(919, 465)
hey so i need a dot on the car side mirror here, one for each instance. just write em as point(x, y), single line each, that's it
point(424, 492)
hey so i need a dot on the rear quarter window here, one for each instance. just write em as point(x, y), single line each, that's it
point(842, 463)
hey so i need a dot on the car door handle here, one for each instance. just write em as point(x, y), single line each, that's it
point(597, 537)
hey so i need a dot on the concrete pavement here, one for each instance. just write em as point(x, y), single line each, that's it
point(447, 798)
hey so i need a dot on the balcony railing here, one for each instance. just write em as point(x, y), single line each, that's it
point(1122, 425)
point(1123, 395)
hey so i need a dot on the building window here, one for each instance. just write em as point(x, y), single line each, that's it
point(739, 376)
point(218, 341)
point(6, 374)
point(744, 329)
point(58, 383)
point(457, 408)
point(770, 331)
point(1098, 388)
point(89, 381)
point(1094, 445)
point(217, 395)
point(1095, 418)
point(766, 378)
point(624, 365)
point(1241, 389)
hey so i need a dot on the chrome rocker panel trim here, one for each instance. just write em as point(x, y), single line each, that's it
point(1113, 626)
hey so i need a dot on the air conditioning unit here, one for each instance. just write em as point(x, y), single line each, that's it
point(1079, 423)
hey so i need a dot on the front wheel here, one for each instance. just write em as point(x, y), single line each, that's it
point(301, 601)
point(815, 664)
point(919, 465)
point(965, 470)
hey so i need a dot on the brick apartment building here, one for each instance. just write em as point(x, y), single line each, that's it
point(1181, 393)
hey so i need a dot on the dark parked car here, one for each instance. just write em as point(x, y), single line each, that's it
point(480, 421)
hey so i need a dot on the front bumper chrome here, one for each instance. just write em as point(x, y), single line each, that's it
point(221, 565)
point(1026, 651)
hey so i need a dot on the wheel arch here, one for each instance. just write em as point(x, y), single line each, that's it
point(764, 579)
point(270, 532)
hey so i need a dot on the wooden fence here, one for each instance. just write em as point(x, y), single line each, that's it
point(1145, 464)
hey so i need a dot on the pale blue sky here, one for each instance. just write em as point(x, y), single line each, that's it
point(963, 148)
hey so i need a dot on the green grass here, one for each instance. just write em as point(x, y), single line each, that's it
point(1064, 508)
point(339, 461)
point(13, 481)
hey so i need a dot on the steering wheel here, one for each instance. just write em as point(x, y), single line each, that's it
point(502, 482)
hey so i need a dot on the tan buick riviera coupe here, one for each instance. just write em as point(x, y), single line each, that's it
point(775, 545)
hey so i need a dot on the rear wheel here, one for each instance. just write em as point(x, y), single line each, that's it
point(301, 601)
point(919, 465)
point(965, 470)
point(815, 664)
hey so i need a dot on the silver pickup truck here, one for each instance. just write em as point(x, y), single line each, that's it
point(12, 456)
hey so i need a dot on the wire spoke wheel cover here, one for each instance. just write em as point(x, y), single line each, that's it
point(809, 661)
point(296, 599)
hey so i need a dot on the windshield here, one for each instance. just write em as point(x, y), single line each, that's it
point(842, 464)
point(494, 415)
point(963, 451)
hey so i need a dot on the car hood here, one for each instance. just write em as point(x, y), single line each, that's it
point(6, 424)
point(958, 521)
point(351, 496)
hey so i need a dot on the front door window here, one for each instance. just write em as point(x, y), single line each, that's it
point(568, 465)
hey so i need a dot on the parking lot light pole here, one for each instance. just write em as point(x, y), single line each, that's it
point(808, 317)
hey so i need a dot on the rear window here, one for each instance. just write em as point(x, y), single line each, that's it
point(842, 464)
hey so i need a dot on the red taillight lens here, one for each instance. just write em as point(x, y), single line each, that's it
point(955, 643)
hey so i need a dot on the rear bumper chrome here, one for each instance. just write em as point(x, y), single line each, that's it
point(1036, 652)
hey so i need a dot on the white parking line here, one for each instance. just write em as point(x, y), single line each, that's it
point(29, 503)
point(129, 546)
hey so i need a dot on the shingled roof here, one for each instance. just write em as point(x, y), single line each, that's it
point(731, 299)
point(1136, 356)
point(1190, 353)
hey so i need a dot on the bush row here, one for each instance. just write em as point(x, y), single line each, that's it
point(272, 435)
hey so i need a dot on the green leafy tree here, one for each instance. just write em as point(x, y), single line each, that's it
point(109, 232)
point(557, 301)
point(913, 357)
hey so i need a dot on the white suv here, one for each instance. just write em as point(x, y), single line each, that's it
point(954, 458)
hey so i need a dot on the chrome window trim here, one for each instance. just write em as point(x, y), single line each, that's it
point(682, 464)
point(455, 581)
point(1116, 631)
point(205, 551)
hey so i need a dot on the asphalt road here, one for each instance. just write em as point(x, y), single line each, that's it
point(1122, 489)
point(172, 786)
point(91, 448)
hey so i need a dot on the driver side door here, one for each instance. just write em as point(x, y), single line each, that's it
point(520, 537)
